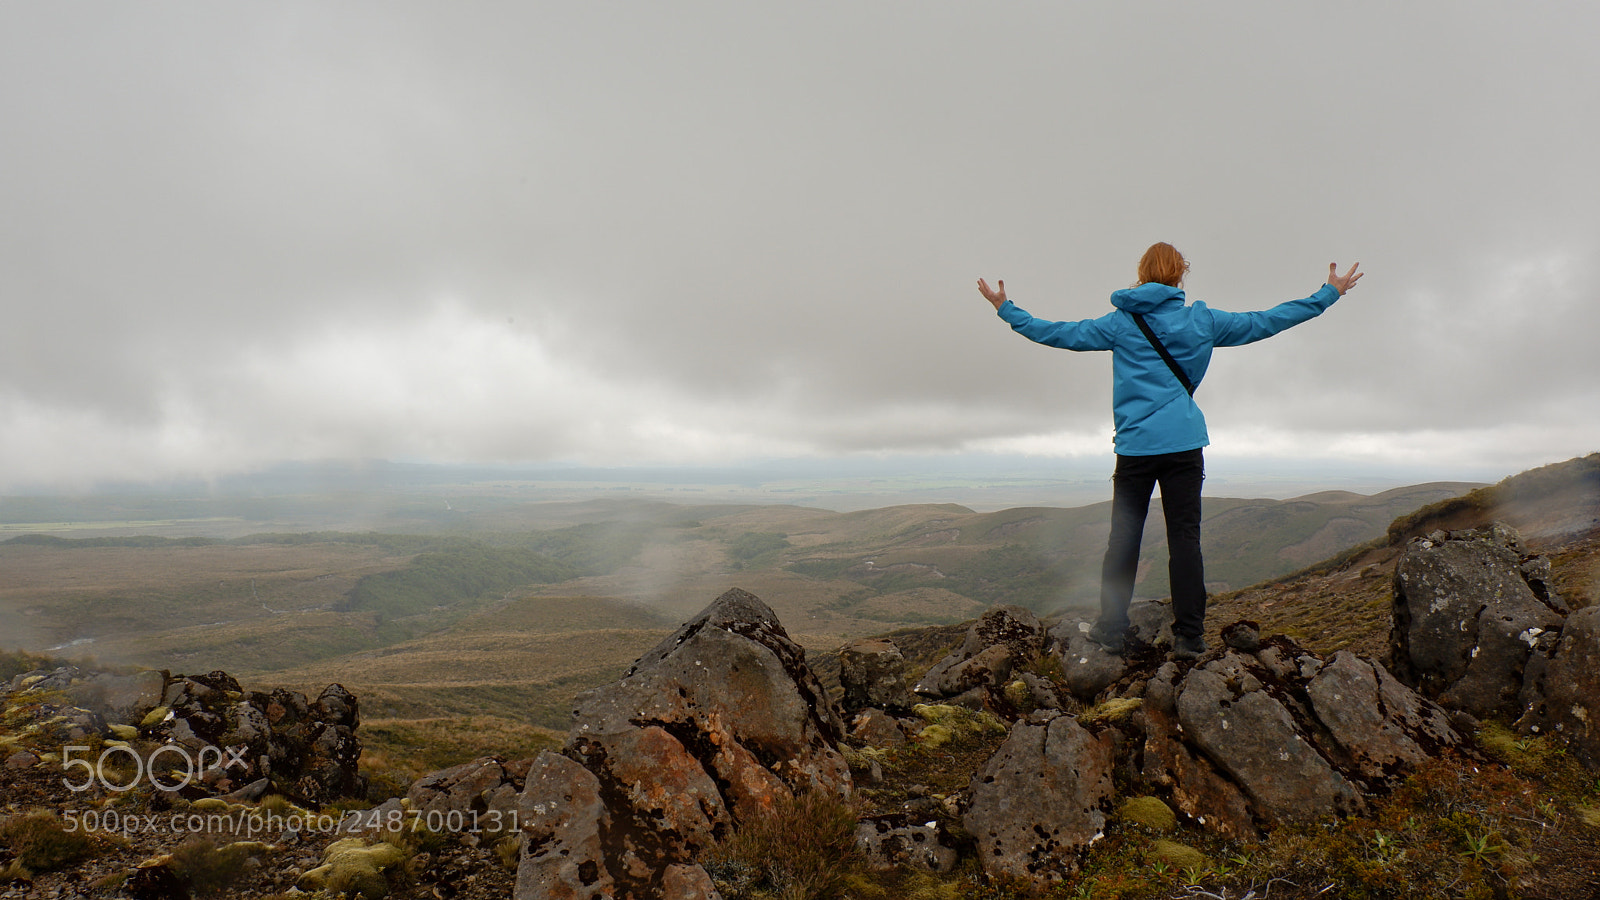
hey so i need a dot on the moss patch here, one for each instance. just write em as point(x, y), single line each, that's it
point(1180, 856)
point(1114, 710)
point(1149, 812)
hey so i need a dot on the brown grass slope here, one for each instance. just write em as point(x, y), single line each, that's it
point(1344, 601)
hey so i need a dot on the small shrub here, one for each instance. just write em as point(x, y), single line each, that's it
point(208, 867)
point(509, 851)
point(804, 848)
point(41, 843)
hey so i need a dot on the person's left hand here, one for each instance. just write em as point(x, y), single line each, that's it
point(1343, 283)
point(997, 296)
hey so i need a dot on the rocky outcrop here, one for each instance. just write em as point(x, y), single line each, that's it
point(1003, 638)
point(715, 724)
point(1479, 626)
point(232, 740)
point(1088, 669)
point(481, 792)
point(1237, 741)
point(1467, 618)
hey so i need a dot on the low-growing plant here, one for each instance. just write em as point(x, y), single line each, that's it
point(803, 848)
point(208, 867)
point(40, 842)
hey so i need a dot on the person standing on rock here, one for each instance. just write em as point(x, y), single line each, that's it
point(1161, 347)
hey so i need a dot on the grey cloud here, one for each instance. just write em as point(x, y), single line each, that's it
point(767, 222)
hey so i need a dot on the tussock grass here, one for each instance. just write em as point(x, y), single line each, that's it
point(40, 842)
point(804, 848)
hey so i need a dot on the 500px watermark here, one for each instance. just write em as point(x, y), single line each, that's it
point(257, 822)
point(144, 767)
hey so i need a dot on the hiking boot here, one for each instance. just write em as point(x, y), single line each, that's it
point(1111, 641)
point(1186, 647)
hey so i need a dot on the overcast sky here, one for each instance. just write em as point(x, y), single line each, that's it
point(234, 234)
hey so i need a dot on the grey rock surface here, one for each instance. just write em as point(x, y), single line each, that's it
point(1563, 691)
point(1252, 737)
point(873, 674)
point(1382, 726)
point(1003, 638)
point(900, 841)
point(1041, 798)
point(1466, 619)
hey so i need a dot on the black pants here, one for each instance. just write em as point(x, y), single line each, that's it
point(1180, 475)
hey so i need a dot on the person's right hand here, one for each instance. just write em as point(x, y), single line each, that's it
point(997, 297)
point(1343, 283)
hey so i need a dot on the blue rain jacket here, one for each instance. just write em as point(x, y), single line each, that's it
point(1152, 411)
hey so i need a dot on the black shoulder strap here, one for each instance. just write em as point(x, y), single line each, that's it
point(1161, 349)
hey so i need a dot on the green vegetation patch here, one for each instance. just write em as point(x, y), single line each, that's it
point(40, 842)
point(1149, 812)
point(803, 848)
point(449, 578)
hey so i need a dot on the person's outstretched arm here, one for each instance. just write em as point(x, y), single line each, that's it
point(1089, 334)
point(1234, 329)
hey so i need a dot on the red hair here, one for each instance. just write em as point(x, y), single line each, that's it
point(1163, 264)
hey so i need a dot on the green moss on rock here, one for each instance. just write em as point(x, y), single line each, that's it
point(1179, 856)
point(1150, 812)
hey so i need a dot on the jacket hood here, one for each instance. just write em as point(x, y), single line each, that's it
point(1146, 297)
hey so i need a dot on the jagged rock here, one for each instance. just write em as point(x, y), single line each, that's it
point(715, 724)
point(1086, 668)
point(1014, 627)
point(487, 788)
point(1041, 798)
point(562, 816)
point(897, 841)
point(1150, 621)
point(989, 667)
point(1227, 714)
point(1382, 725)
point(1197, 787)
point(1466, 620)
point(229, 738)
point(1563, 689)
point(667, 789)
point(337, 706)
point(735, 690)
point(872, 672)
point(1041, 692)
point(1003, 638)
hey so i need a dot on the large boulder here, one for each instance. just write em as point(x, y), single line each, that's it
point(1086, 668)
point(1380, 726)
point(563, 818)
point(1466, 619)
point(1563, 690)
point(1041, 799)
point(736, 692)
point(712, 726)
